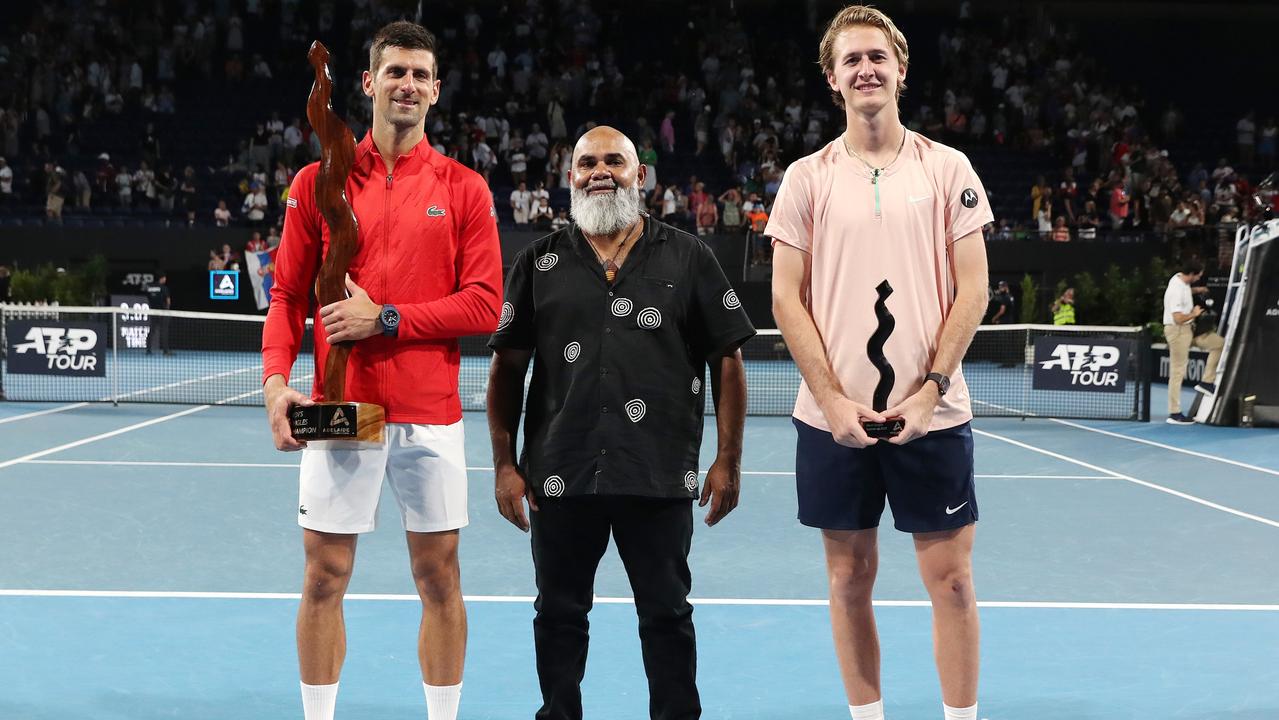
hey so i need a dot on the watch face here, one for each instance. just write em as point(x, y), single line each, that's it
point(390, 317)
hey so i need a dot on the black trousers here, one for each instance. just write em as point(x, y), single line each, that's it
point(653, 537)
point(158, 337)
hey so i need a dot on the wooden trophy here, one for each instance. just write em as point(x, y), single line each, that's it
point(334, 419)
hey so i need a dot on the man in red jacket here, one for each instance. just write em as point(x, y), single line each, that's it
point(428, 270)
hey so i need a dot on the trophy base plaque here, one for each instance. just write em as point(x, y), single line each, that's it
point(359, 422)
point(892, 427)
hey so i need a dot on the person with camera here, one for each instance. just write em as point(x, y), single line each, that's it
point(1180, 312)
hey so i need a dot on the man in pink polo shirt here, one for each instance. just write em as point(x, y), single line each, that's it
point(881, 203)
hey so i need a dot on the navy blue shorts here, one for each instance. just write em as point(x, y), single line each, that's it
point(928, 481)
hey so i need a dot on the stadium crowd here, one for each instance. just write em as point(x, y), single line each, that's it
point(716, 105)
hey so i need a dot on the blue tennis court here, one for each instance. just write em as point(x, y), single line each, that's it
point(1126, 570)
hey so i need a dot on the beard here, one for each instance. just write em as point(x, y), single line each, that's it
point(605, 214)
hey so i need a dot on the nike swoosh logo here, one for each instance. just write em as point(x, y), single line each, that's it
point(952, 511)
point(434, 211)
point(921, 199)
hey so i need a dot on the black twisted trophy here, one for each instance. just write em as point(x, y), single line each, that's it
point(875, 351)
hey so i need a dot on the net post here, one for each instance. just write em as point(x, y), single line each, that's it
point(1027, 373)
point(115, 358)
point(1144, 364)
point(3, 346)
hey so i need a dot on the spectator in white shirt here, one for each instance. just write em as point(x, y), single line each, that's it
point(255, 204)
point(542, 216)
point(124, 186)
point(6, 182)
point(144, 184)
point(536, 144)
point(483, 157)
point(540, 194)
point(517, 159)
point(561, 220)
point(1246, 138)
point(293, 139)
point(222, 216)
point(521, 204)
point(497, 61)
point(670, 202)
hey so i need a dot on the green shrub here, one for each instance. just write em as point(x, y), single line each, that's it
point(1029, 300)
point(83, 285)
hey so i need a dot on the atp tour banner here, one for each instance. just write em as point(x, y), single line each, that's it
point(41, 347)
point(1087, 364)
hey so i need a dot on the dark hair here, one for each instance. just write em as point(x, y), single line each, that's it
point(401, 34)
point(1192, 267)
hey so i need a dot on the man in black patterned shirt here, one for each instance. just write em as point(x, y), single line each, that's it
point(621, 315)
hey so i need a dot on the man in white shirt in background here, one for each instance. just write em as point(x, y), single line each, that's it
point(255, 204)
point(541, 196)
point(521, 203)
point(1180, 312)
point(6, 182)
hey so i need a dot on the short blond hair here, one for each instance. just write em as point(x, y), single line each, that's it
point(851, 16)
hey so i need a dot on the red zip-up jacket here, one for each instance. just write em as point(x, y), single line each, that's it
point(428, 245)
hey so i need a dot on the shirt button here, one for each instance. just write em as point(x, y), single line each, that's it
point(608, 331)
point(603, 451)
point(604, 409)
point(610, 293)
point(603, 371)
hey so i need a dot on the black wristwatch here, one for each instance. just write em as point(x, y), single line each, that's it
point(943, 382)
point(390, 319)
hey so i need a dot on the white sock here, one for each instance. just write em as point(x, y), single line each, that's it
point(954, 713)
point(318, 701)
point(872, 711)
point(442, 700)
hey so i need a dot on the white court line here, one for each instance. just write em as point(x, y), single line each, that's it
point(1162, 446)
point(1047, 477)
point(783, 473)
point(748, 602)
point(791, 473)
point(189, 381)
point(101, 436)
point(38, 413)
point(1129, 478)
point(241, 396)
point(1172, 448)
point(157, 463)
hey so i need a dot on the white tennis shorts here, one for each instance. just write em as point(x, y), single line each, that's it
point(425, 465)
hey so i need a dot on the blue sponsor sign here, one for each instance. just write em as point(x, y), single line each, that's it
point(224, 284)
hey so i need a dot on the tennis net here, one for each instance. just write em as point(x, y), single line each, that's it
point(136, 354)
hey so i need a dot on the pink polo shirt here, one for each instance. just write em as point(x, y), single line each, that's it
point(826, 206)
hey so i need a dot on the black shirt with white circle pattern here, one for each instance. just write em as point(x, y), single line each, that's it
point(618, 392)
